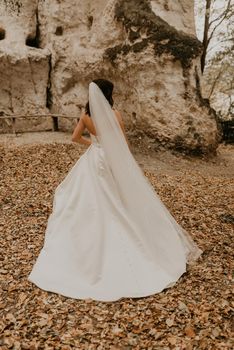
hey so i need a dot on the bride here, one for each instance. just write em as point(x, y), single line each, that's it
point(109, 235)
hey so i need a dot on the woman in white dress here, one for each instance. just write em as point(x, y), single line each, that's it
point(109, 235)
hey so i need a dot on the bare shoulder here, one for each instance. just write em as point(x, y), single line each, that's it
point(118, 115)
point(87, 120)
point(120, 119)
point(84, 117)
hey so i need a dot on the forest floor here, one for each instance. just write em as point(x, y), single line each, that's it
point(194, 314)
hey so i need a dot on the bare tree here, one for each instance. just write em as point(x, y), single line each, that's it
point(219, 81)
point(213, 21)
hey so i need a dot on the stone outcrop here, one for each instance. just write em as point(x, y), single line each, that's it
point(51, 49)
point(24, 66)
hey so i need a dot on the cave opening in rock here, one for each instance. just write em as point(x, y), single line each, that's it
point(2, 34)
point(59, 31)
point(34, 40)
point(90, 21)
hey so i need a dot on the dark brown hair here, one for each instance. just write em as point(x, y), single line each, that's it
point(107, 88)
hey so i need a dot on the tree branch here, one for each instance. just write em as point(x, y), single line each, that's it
point(221, 15)
point(215, 81)
point(218, 24)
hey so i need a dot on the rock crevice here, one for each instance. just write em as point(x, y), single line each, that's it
point(34, 40)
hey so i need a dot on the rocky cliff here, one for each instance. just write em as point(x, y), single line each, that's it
point(51, 49)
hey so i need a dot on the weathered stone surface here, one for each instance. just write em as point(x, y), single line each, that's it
point(147, 48)
point(24, 69)
point(23, 80)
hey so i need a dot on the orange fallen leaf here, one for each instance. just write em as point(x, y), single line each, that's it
point(189, 331)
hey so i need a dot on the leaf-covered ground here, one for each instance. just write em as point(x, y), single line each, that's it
point(194, 314)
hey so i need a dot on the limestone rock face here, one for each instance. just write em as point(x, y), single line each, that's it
point(24, 69)
point(147, 48)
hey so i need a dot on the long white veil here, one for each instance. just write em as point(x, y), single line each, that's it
point(156, 228)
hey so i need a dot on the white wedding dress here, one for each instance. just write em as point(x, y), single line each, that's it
point(104, 242)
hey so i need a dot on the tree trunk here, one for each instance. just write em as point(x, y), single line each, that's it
point(205, 34)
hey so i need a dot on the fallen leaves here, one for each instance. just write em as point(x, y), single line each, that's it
point(194, 314)
point(169, 322)
point(116, 330)
point(189, 331)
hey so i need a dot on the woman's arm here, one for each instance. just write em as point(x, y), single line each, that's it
point(77, 133)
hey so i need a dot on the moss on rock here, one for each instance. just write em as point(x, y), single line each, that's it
point(141, 22)
point(13, 6)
